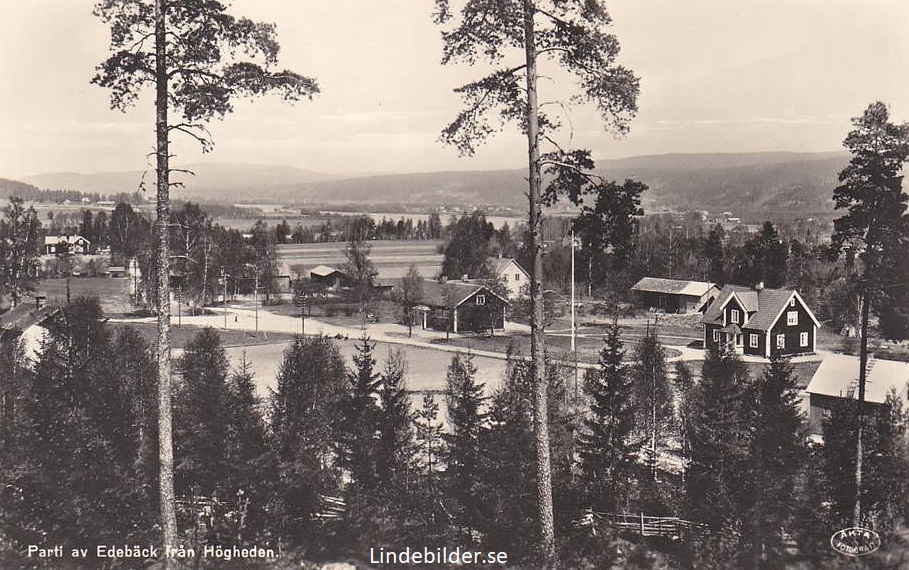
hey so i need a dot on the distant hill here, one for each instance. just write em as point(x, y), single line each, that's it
point(15, 188)
point(753, 185)
point(208, 176)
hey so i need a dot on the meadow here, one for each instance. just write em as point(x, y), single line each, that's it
point(392, 258)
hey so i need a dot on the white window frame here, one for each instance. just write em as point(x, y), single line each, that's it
point(803, 339)
point(716, 335)
point(781, 341)
point(734, 316)
point(753, 340)
point(792, 318)
point(792, 302)
point(481, 299)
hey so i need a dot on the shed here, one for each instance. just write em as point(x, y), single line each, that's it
point(673, 295)
point(837, 379)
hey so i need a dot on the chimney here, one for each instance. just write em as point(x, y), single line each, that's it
point(443, 279)
point(464, 277)
point(759, 286)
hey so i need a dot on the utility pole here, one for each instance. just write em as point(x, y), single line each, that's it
point(224, 298)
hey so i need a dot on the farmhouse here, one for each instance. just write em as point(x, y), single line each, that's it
point(461, 307)
point(511, 274)
point(674, 296)
point(328, 277)
point(65, 244)
point(760, 321)
point(836, 379)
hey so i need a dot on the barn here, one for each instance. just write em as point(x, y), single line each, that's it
point(673, 295)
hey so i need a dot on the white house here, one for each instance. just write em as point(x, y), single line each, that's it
point(512, 275)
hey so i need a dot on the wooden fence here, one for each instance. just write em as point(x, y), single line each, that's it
point(643, 525)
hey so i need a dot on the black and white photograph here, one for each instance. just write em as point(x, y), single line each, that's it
point(516, 284)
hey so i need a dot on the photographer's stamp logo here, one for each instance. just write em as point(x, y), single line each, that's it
point(855, 541)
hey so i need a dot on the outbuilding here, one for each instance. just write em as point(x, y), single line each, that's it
point(836, 379)
point(673, 295)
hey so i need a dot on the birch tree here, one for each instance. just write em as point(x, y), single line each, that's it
point(198, 58)
point(522, 40)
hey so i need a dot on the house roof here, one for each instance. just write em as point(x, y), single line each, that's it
point(434, 293)
point(838, 376)
point(498, 264)
point(54, 240)
point(672, 286)
point(322, 271)
point(764, 306)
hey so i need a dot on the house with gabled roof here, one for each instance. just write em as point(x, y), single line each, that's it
point(512, 275)
point(459, 306)
point(674, 295)
point(760, 322)
point(66, 244)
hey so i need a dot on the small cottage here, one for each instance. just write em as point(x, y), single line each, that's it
point(456, 306)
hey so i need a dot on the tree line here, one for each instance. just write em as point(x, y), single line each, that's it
point(340, 457)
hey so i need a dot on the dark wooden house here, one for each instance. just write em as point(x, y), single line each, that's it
point(456, 306)
point(760, 322)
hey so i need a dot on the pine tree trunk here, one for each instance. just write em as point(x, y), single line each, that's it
point(162, 243)
point(537, 354)
point(863, 370)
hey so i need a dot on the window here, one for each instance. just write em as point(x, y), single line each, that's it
point(753, 340)
point(792, 302)
point(738, 340)
point(481, 299)
point(734, 316)
point(716, 335)
point(781, 341)
point(505, 277)
point(803, 339)
point(792, 318)
point(517, 276)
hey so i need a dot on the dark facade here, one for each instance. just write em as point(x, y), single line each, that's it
point(760, 322)
point(462, 307)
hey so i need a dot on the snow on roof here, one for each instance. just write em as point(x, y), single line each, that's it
point(838, 376)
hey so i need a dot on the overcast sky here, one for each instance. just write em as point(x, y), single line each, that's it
point(716, 76)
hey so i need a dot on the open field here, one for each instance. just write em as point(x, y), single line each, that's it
point(391, 258)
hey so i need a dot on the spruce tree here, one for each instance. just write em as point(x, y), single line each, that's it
point(429, 518)
point(467, 422)
point(311, 382)
point(608, 448)
point(201, 424)
point(244, 453)
point(884, 457)
point(508, 479)
point(777, 454)
point(74, 477)
point(395, 453)
point(360, 413)
point(720, 443)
